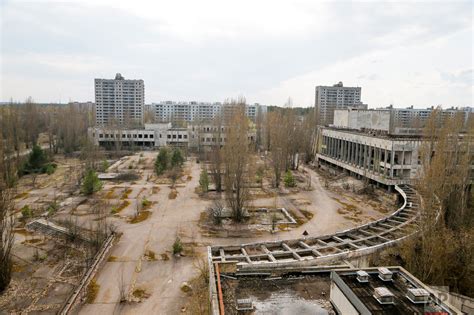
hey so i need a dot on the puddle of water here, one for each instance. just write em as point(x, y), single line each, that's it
point(281, 303)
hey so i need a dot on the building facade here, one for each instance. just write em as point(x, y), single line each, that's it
point(119, 101)
point(338, 96)
point(384, 159)
point(416, 117)
point(199, 137)
point(198, 111)
point(394, 121)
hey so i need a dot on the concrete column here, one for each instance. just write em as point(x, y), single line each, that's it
point(343, 149)
point(402, 162)
point(368, 157)
point(329, 146)
point(375, 159)
point(392, 161)
point(347, 152)
point(379, 157)
point(340, 149)
point(333, 148)
point(334, 142)
point(385, 162)
point(351, 155)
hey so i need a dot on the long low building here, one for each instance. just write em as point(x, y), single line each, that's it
point(382, 158)
point(161, 135)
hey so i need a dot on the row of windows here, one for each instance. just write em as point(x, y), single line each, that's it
point(112, 136)
point(140, 136)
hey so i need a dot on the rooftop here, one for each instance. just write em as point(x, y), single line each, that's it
point(371, 292)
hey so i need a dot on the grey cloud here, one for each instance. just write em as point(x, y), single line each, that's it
point(213, 69)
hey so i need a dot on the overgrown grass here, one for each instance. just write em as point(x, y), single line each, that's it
point(119, 208)
point(21, 195)
point(146, 204)
point(142, 216)
point(92, 291)
point(110, 194)
point(127, 192)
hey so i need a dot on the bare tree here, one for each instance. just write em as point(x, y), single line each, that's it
point(6, 235)
point(216, 153)
point(236, 157)
point(278, 145)
point(215, 212)
point(447, 224)
point(122, 287)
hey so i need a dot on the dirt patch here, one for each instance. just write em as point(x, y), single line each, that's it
point(140, 293)
point(22, 231)
point(149, 255)
point(309, 215)
point(173, 194)
point(32, 241)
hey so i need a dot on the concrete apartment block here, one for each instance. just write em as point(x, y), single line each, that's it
point(119, 101)
point(338, 96)
point(198, 111)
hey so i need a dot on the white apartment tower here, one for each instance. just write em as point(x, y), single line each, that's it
point(119, 101)
point(199, 111)
point(329, 98)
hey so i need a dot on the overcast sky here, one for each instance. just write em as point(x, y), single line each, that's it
point(399, 52)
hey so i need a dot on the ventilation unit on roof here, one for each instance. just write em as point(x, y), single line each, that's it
point(385, 274)
point(244, 305)
point(418, 295)
point(383, 295)
point(362, 276)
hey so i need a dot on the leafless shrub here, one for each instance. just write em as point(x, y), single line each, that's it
point(215, 212)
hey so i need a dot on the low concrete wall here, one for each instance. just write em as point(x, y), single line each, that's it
point(213, 297)
point(80, 291)
point(331, 257)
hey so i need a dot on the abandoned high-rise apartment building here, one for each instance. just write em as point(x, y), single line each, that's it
point(337, 96)
point(119, 101)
